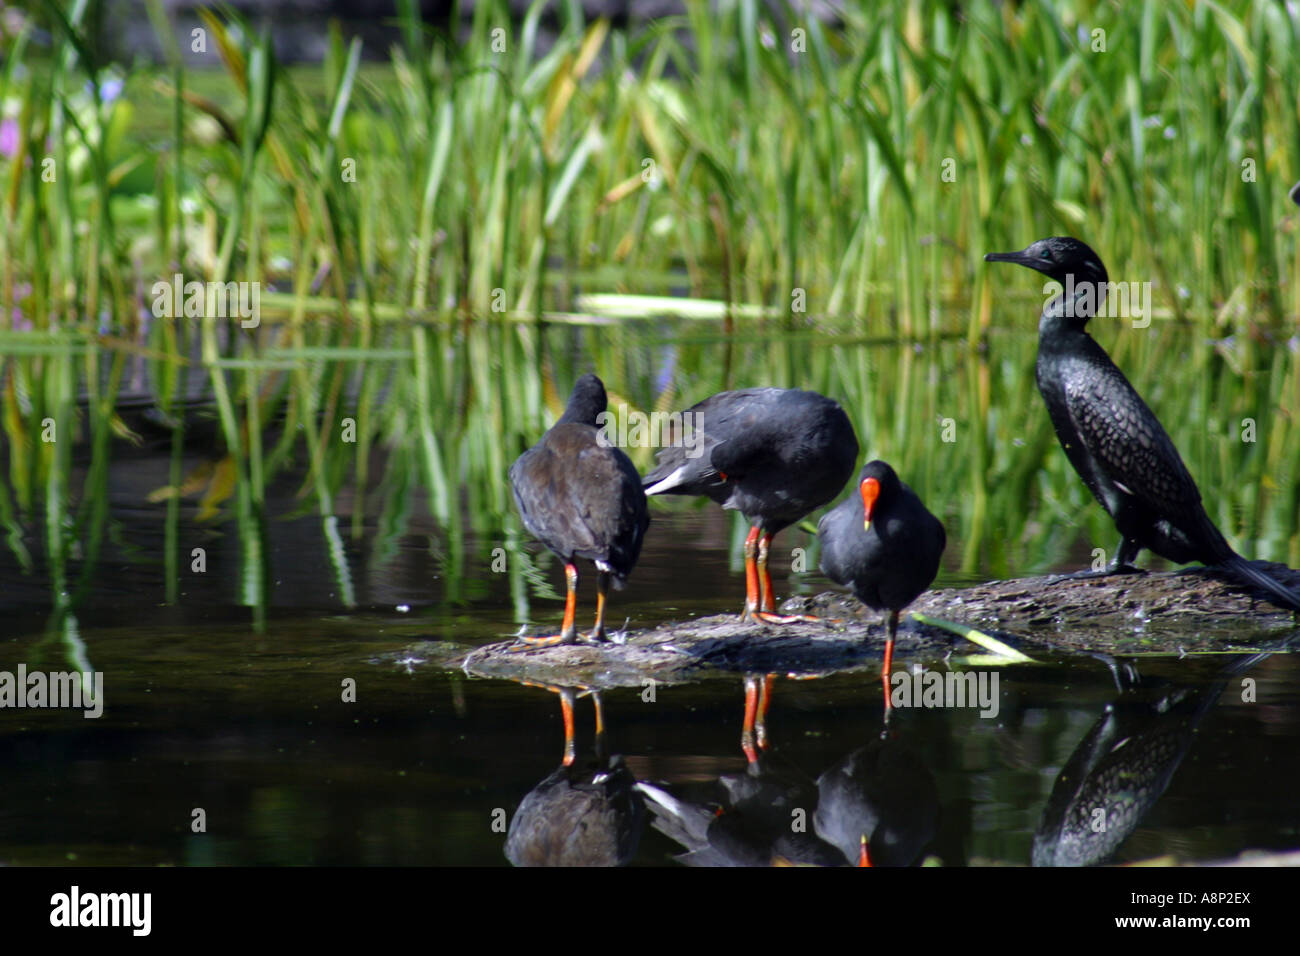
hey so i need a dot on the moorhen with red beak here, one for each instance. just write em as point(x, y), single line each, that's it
point(885, 544)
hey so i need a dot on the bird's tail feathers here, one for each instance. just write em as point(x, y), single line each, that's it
point(681, 822)
point(1248, 573)
point(667, 474)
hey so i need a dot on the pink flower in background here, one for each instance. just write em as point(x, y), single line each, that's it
point(18, 322)
point(8, 137)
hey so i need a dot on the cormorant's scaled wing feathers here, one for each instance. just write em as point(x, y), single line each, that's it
point(1127, 440)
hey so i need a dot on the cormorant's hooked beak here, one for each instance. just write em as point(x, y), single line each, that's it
point(1021, 258)
point(870, 489)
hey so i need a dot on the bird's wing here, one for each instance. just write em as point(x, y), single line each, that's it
point(1125, 438)
point(688, 459)
point(549, 503)
point(627, 529)
point(835, 532)
point(751, 432)
point(586, 499)
point(722, 438)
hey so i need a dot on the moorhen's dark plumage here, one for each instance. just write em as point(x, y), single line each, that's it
point(753, 823)
point(579, 816)
point(884, 544)
point(1115, 442)
point(582, 498)
point(772, 454)
point(882, 797)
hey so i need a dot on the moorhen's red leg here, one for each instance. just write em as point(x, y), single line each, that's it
point(889, 661)
point(767, 594)
point(751, 709)
point(600, 724)
point(568, 700)
point(764, 701)
point(597, 634)
point(751, 575)
point(566, 709)
point(568, 633)
point(767, 606)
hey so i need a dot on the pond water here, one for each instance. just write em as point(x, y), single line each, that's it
point(240, 714)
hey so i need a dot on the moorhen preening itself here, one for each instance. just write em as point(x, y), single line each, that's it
point(773, 454)
point(1113, 440)
point(751, 822)
point(582, 498)
point(883, 543)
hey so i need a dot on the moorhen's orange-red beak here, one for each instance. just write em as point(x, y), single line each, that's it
point(870, 492)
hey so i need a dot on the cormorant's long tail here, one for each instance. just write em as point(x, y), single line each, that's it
point(1247, 573)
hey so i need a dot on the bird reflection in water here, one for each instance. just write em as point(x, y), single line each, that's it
point(754, 820)
point(880, 804)
point(1125, 763)
point(587, 814)
point(877, 807)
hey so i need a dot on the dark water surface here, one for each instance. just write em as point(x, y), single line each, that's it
point(202, 713)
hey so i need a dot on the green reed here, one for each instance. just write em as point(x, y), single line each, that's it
point(456, 232)
point(867, 166)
